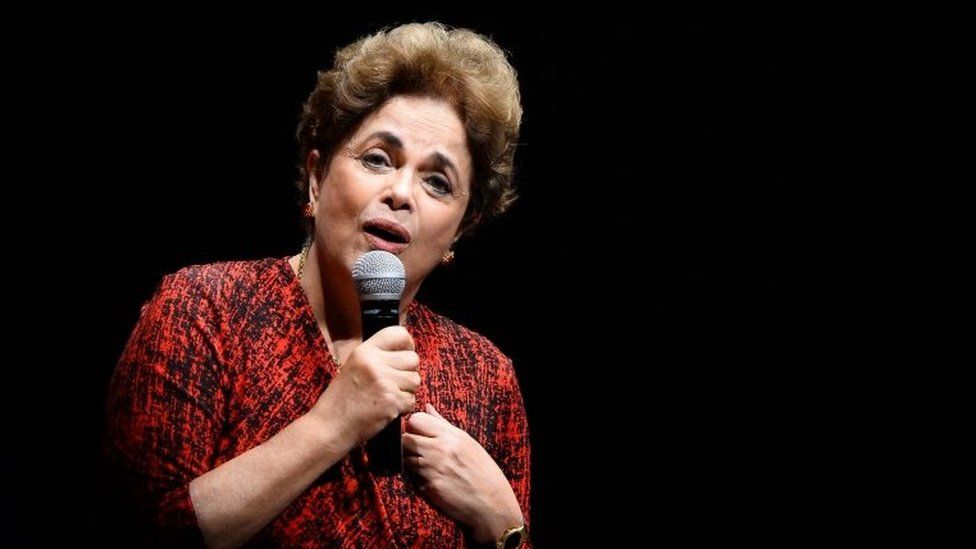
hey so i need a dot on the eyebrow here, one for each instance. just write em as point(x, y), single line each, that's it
point(388, 138)
point(441, 161)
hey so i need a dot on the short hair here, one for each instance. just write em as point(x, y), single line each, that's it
point(464, 68)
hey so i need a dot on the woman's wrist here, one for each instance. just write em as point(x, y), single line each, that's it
point(326, 435)
point(492, 524)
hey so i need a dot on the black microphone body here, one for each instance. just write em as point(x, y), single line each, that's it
point(385, 449)
point(380, 277)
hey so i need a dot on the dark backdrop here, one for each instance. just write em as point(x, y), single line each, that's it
point(646, 283)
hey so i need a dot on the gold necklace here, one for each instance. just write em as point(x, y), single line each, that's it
point(301, 261)
point(334, 351)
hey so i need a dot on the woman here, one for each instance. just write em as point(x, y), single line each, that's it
point(238, 410)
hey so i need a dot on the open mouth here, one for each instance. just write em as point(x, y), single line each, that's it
point(387, 235)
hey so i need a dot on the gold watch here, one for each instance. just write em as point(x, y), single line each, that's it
point(513, 538)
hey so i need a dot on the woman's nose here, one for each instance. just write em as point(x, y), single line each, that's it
point(400, 193)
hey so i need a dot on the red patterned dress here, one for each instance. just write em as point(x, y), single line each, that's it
point(226, 355)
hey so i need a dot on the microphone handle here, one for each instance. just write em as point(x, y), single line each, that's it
point(384, 451)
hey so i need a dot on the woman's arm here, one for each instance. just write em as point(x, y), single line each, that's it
point(235, 500)
point(238, 498)
point(459, 477)
point(166, 412)
point(485, 488)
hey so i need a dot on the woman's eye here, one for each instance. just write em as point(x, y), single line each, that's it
point(439, 185)
point(375, 160)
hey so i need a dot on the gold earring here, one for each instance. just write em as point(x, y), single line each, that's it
point(447, 258)
point(308, 209)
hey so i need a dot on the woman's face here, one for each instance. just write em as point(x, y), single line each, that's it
point(400, 183)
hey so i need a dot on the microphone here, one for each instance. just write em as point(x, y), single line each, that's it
point(380, 277)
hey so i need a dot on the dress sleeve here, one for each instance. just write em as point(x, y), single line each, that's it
point(513, 436)
point(164, 410)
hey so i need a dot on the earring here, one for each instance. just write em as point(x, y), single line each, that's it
point(447, 258)
point(307, 211)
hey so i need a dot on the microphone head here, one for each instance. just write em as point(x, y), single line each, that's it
point(379, 275)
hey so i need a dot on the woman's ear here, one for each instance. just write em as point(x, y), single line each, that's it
point(312, 169)
point(457, 236)
point(465, 227)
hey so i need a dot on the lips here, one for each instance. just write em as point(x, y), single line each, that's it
point(387, 235)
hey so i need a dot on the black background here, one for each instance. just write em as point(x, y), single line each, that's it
point(654, 283)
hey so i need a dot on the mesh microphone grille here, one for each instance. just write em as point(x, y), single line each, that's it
point(379, 275)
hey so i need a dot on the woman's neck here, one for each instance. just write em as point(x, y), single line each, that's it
point(332, 295)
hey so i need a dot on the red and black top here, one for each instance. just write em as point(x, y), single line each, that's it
point(226, 355)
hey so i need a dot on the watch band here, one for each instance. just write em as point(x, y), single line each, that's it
point(513, 538)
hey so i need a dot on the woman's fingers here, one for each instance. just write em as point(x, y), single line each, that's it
point(392, 338)
point(402, 360)
point(407, 381)
point(426, 425)
point(415, 444)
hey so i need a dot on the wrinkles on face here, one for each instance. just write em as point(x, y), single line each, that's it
point(407, 163)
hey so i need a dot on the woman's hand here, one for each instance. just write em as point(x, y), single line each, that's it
point(459, 477)
point(376, 384)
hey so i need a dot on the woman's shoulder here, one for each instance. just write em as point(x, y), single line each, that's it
point(223, 273)
point(224, 282)
point(451, 333)
point(227, 276)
